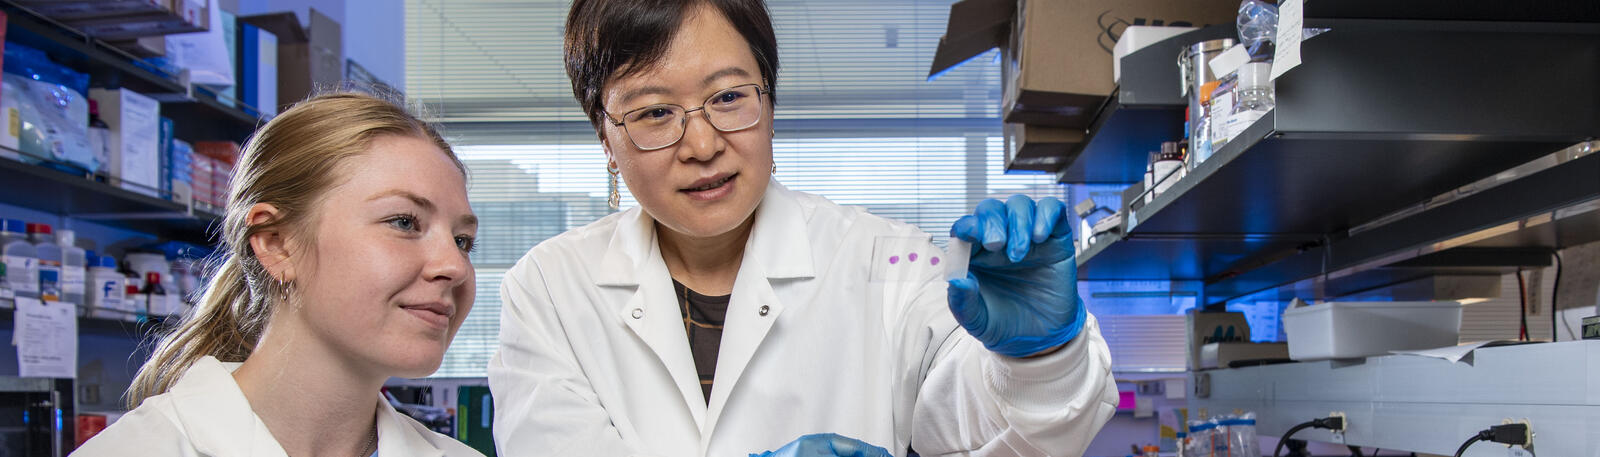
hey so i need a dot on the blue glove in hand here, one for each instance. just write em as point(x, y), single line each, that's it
point(1020, 296)
point(826, 445)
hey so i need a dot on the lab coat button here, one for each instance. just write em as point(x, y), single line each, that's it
point(638, 313)
point(765, 309)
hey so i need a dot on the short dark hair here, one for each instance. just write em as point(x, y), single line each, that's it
point(604, 35)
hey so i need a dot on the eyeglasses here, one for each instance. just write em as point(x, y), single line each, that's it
point(661, 125)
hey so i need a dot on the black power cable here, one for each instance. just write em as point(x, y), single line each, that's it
point(1331, 423)
point(1513, 434)
point(1555, 299)
point(1522, 298)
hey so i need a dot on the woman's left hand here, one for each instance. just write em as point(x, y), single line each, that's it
point(1020, 296)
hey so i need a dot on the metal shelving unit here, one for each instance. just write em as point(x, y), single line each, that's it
point(56, 192)
point(1383, 114)
point(201, 115)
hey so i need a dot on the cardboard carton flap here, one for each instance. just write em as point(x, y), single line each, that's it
point(975, 26)
point(285, 25)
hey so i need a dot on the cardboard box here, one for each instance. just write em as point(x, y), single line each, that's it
point(1207, 328)
point(135, 122)
point(309, 58)
point(1056, 65)
point(1039, 148)
point(1219, 355)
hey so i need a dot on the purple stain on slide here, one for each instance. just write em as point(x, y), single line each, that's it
point(912, 257)
point(933, 261)
point(894, 259)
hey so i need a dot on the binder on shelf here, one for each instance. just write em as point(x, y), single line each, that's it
point(257, 70)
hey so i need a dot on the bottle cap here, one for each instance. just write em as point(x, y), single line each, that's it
point(1255, 74)
point(132, 290)
point(152, 278)
point(13, 225)
point(1206, 89)
point(107, 262)
point(67, 237)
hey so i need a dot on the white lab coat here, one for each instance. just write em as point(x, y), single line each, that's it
point(594, 359)
point(205, 414)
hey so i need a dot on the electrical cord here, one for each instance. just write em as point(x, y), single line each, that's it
point(1522, 297)
point(1555, 299)
point(1330, 423)
point(1512, 434)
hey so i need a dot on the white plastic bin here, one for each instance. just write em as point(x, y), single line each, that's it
point(1338, 330)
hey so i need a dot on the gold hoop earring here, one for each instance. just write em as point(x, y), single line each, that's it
point(614, 200)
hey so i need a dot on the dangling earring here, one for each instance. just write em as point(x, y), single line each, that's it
point(615, 199)
point(774, 167)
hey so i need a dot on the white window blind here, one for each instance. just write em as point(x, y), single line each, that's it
point(857, 122)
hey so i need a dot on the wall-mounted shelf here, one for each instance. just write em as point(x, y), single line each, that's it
point(1383, 115)
point(199, 114)
point(55, 192)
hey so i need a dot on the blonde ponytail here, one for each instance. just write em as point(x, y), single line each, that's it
point(288, 163)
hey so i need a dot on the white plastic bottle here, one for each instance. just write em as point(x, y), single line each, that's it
point(22, 263)
point(74, 270)
point(44, 241)
point(106, 288)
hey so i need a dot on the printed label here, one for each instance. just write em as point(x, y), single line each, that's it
point(23, 274)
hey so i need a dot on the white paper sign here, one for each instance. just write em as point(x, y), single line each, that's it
point(46, 336)
point(1291, 22)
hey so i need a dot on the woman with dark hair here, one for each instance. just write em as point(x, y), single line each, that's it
point(729, 314)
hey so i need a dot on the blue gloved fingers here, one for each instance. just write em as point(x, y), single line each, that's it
point(1050, 221)
point(991, 216)
point(967, 304)
point(1019, 227)
point(843, 446)
point(967, 229)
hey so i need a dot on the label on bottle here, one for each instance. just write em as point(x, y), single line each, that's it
point(49, 283)
point(100, 145)
point(1238, 122)
point(23, 275)
point(1220, 106)
point(72, 281)
point(105, 293)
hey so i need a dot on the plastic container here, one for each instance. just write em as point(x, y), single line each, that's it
point(22, 263)
point(44, 241)
point(1361, 329)
point(74, 270)
point(106, 289)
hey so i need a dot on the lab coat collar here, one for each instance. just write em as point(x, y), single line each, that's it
point(221, 422)
point(778, 242)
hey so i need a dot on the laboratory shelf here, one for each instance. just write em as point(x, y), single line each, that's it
point(1382, 115)
point(52, 191)
point(1421, 404)
point(1145, 109)
point(1513, 224)
point(198, 113)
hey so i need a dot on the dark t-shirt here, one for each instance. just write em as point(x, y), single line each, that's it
point(703, 316)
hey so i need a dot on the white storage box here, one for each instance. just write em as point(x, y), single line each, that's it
point(1360, 329)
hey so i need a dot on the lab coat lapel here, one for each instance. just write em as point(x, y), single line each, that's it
point(218, 416)
point(778, 251)
point(633, 260)
point(396, 437)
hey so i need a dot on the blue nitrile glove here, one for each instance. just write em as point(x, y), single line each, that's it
point(1024, 300)
point(826, 445)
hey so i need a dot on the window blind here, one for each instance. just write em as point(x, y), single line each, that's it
point(856, 122)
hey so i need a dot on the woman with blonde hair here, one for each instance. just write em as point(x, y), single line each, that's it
point(344, 261)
